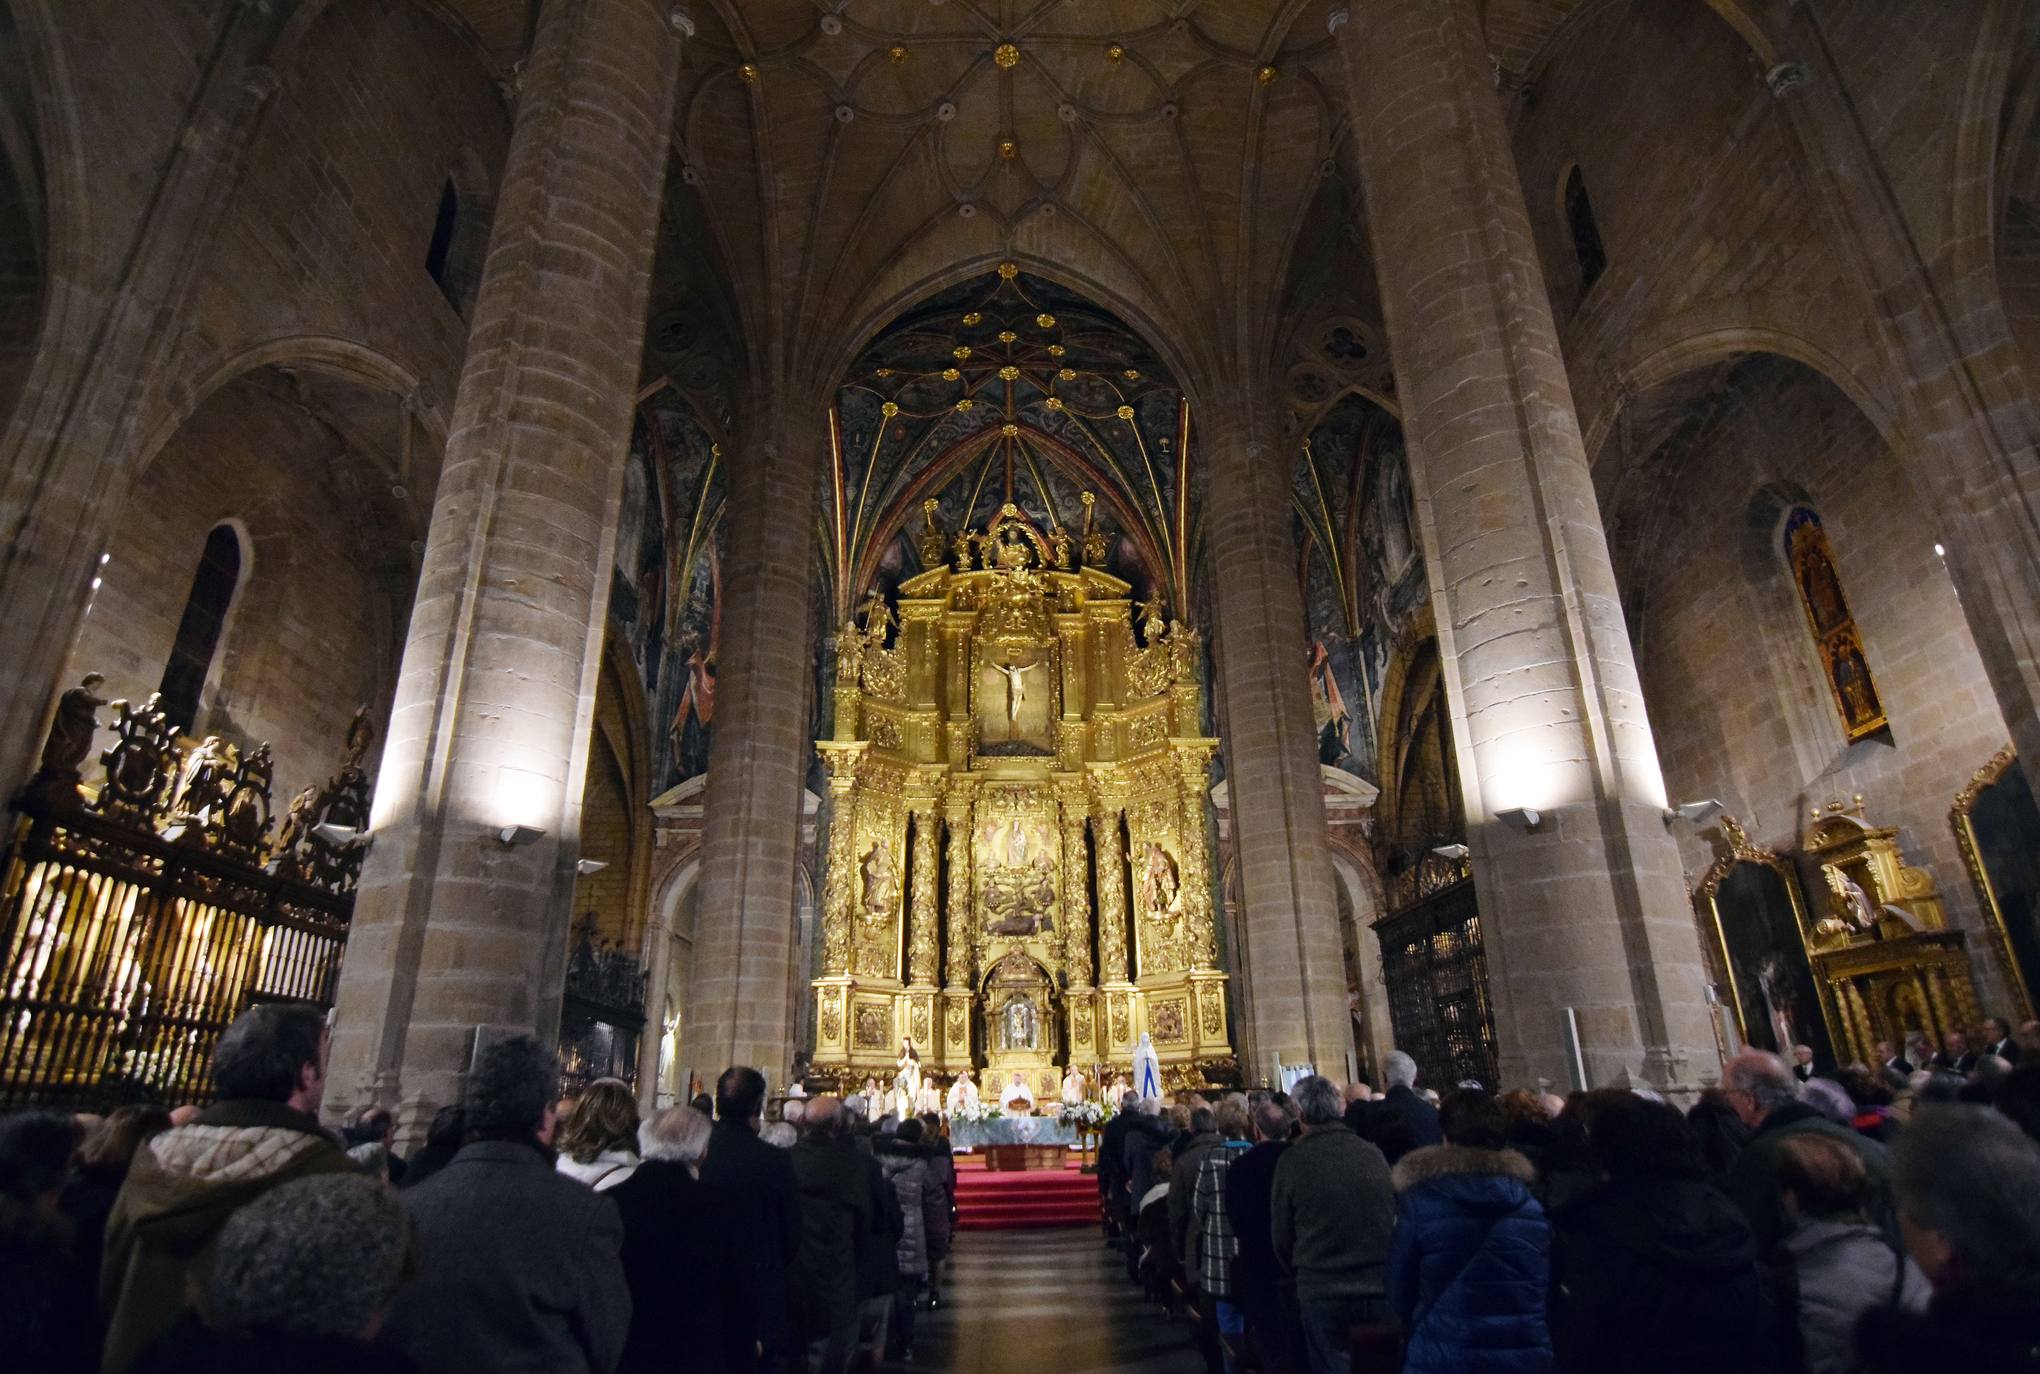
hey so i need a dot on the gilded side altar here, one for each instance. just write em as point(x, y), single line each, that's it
point(1018, 871)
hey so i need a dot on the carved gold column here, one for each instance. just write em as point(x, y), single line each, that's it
point(1085, 1048)
point(832, 1031)
point(925, 897)
point(1210, 1036)
point(1116, 991)
point(959, 973)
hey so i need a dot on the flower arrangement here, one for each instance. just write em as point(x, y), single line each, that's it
point(977, 1113)
point(1089, 1115)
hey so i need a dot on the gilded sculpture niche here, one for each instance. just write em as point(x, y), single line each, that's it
point(1019, 792)
point(1837, 947)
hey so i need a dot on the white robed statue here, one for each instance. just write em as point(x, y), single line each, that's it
point(963, 1094)
point(907, 1082)
point(1147, 1068)
point(1073, 1087)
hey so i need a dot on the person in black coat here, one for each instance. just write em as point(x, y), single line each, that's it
point(679, 1237)
point(47, 1322)
point(759, 1182)
point(443, 1140)
point(1655, 1269)
point(1399, 1121)
point(519, 1266)
point(1266, 1302)
point(1112, 1181)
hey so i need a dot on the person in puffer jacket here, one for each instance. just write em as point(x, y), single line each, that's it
point(905, 1163)
point(1469, 1266)
point(270, 1071)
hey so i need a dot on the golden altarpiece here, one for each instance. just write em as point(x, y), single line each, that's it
point(1874, 937)
point(1018, 864)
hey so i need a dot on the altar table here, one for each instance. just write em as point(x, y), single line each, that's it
point(1013, 1130)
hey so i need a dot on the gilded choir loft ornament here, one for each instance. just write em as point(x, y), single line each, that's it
point(1018, 795)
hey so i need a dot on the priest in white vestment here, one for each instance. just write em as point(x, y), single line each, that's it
point(1016, 1097)
point(1073, 1087)
point(963, 1094)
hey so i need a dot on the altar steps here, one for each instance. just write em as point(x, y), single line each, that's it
point(1023, 1199)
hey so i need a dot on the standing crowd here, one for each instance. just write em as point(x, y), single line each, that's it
point(526, 1234)
point(1875, 1220)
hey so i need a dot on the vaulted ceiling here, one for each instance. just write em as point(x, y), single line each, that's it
point(1182, 162)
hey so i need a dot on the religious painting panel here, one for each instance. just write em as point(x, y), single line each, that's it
point(1835, 637)
point(1360, 572)
point(666, 594)
point(1017, 858)
point(1759, 924)
point(1998, 827)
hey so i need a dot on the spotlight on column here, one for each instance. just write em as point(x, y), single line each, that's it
point(588, 868)
point(1522, 817)
point(517, 836)
point(338, 836)
point(1455, 852)
point(1693, 813)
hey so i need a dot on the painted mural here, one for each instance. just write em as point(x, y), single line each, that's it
point(1360, 570)
point(666, 593)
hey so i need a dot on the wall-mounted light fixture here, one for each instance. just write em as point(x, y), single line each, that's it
point(1523, 817)
point(339, 836)
point(516, 836)
point(1694, 812)
point(588, 868)
point(1455, 852)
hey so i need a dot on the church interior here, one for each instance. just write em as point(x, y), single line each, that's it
point(765, 531)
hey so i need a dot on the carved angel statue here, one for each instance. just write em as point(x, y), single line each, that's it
point(1154, 618)
point(297, 821)
point(208, 773)
point(878, 618)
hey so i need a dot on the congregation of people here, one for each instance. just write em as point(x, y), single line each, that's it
point(1869, 1219)
point(527, 1233)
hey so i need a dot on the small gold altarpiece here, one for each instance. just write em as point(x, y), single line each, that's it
point(1018, 870)
point(1874, 940)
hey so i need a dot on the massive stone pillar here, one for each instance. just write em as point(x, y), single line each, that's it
point(1292, 972)
point(456, 928)
point(1582, 900)
point(738, 1011)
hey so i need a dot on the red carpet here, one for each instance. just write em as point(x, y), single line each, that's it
point(997, 1200)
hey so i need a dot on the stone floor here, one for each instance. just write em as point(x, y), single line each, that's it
point(1045, 1302)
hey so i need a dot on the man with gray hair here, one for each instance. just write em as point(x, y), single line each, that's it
point(518, 1265)
point(681, 1253)
point(1762, 1091)
point(1967, 1183)
point(1333, 1210)
point(301, 1277)
point(1399, 1120)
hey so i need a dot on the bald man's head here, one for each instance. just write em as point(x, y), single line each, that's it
point(824, 1115)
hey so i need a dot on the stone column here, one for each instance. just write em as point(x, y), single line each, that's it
point(455, 928)
point(1583, 904)
point(738, 1011)
point(1289, 926)
point(1954, 366)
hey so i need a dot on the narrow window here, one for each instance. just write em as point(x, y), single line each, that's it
point(1834, 630)
point(442, 238)
point(198, 632)
point(1586, 234)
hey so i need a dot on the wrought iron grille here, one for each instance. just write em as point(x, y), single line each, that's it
point(1436, 972)
point(124, 954)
